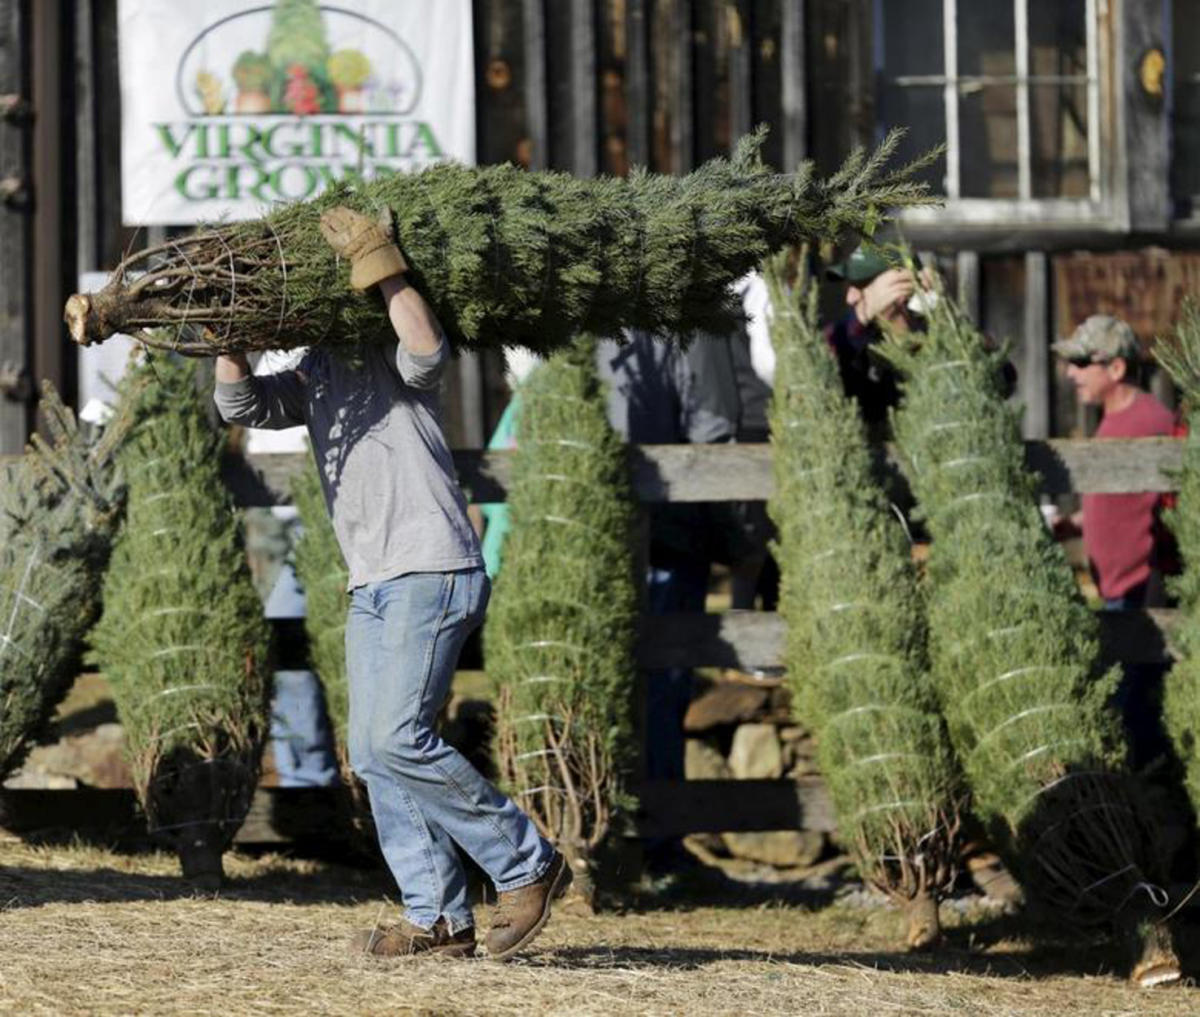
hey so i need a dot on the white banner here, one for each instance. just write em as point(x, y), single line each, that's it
point(228, 108)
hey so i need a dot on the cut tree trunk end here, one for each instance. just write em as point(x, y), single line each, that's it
point(924, 926)
point(1157, 963)
point(92, 317)
point(201, 863)
point(581, 894)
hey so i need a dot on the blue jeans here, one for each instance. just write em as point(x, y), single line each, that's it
point(300, 732)
point(1139, 694)
point(678, 587)
point(403, 636)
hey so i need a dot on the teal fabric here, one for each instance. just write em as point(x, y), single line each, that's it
point(495, 513)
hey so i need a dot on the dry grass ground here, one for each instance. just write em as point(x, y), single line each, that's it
point(88, 931)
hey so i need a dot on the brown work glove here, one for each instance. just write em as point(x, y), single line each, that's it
point(366, 244)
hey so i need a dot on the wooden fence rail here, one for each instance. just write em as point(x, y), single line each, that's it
point(746, 640)
point(742, 472)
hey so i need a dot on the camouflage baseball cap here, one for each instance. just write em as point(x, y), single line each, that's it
point(1099, 339)
point(862, 265)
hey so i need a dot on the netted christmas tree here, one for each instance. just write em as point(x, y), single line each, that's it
point(60, 506)
point(182, 639)
point(322, 572)
point(504, 257)
point(1180, 355)
point(856, 628)
point(560, 628)
point(1015, 652)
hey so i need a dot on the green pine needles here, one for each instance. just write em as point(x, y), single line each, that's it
point(182, 639)
point(1014, 648)
point(1181, 692)
point(59, 510)
point(505, 257)
point(856, 628)
point(560, 630)
point(322, 572)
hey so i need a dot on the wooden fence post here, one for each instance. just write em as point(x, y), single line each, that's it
point(52, 266)
point(15, 195)
point(1034, 372)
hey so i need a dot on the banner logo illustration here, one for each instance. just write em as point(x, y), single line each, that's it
point(277, 102)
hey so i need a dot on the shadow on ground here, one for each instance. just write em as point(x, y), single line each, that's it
point(952, 957)
point(25, 886)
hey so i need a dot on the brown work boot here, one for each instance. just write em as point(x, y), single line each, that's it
point(520, 914)
point(405, 939)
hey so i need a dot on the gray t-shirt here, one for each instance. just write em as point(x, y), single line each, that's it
point(384, 462)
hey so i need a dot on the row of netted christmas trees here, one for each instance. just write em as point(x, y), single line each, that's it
point(503, 257)
point(141, 521)
point(1008, 655)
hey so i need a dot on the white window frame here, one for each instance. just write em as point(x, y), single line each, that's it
point(1025, 209)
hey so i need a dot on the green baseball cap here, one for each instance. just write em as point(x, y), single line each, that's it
point(862, 265)
point(1099, 339)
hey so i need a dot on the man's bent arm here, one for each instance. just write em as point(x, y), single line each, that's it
point(422, 349)
point(273, 401)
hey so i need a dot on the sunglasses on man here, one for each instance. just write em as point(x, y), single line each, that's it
point(1085, 361)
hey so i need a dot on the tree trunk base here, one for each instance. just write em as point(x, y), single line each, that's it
point(1157, 962)
point(201, 864)
point(924, 926)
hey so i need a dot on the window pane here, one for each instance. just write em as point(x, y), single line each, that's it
point(986, 38)
point(1058, 109)
point(1058, 37)
point(922, 111)
point(987, 132)
point(912, 44)
point(1185, 127)
point(1058, 137)
point(912, 37)
point(987, 113)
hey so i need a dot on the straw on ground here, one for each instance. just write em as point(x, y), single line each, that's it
point(88, 931)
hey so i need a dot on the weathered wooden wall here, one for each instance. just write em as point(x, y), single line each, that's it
point(15, 195)
point(587, 86)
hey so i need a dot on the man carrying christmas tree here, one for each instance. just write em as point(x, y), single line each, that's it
point(418, 588)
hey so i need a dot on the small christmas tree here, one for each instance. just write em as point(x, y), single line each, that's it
point(322, 572)
point(856, 628)
point(559, 633)
point(59, 510)
point(182, 639)
point(1015, 651)
point(504, 257)
point(1180, 356)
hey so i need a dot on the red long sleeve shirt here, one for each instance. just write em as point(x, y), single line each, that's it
point(1119, 530)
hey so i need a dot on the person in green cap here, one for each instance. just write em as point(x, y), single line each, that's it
point(877, 294)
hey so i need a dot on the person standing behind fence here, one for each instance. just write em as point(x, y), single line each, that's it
point(658, 395)
point(1123, 535)
point(417, 588)
point(877, 296)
